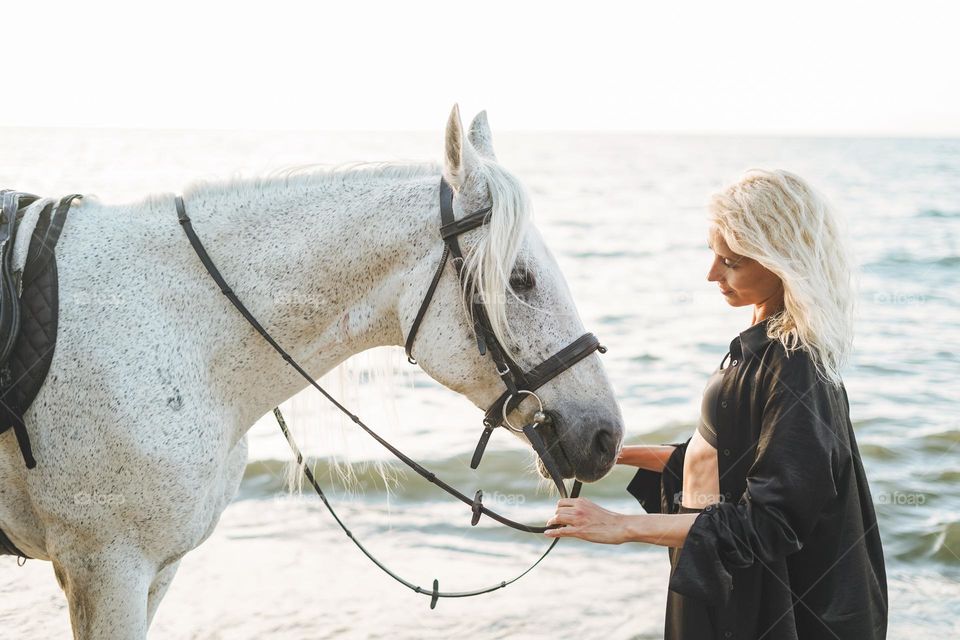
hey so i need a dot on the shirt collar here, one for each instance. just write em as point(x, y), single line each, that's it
point(751, 341)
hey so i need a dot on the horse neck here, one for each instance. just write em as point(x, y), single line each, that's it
point(323, 265)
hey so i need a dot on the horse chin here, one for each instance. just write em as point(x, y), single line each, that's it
point(566, 467)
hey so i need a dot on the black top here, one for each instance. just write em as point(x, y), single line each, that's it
point(796, 519)
point(708, 407)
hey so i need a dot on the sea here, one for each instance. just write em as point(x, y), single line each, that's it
point(625, 216)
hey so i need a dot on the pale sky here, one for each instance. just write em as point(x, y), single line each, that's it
point(804, 67)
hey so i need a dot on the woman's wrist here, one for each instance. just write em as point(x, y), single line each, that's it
point(633, 528)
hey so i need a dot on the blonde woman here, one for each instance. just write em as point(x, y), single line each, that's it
point(765, 509)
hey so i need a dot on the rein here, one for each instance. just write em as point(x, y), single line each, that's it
point(435, 592)
point(517, 382)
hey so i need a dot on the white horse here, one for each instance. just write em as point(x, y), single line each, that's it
point(140, 428)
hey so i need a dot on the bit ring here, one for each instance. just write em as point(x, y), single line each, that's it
point(506, 403)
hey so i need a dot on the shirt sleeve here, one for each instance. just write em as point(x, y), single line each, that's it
point(793, 477)
point(657, 490)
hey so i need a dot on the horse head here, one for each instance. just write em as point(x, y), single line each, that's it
point(511, 308)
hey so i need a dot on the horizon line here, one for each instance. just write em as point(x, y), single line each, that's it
point(899, 135)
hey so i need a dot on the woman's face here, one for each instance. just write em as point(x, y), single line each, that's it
point(742, 280)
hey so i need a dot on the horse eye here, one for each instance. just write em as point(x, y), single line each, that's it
point(522, 280)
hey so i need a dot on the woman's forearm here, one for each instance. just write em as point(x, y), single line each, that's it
point(668, 530)
point(652, 457)
point(581, 518)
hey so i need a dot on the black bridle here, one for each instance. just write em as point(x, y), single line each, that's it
point(517, 381)
point(514, 378)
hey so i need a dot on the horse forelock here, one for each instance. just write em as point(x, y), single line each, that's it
point(489, 264)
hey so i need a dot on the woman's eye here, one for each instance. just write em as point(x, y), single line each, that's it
point(730, 264)
point(521, 280)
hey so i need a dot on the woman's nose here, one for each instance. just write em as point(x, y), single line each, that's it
point(713, 274)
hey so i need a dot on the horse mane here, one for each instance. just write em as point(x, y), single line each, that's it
point(487, 266)
point(311, 175)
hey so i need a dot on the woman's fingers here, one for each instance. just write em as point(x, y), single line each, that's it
point(568, 517)
point(561, 532)
point(581, 518)
point(573, 502)
point(570, 511)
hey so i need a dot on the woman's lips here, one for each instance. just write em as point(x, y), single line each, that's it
point(726, 292)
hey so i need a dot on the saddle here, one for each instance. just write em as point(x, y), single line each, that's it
point(30, 227)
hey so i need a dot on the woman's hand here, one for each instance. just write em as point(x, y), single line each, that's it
point(580, 518)
point(588, 521)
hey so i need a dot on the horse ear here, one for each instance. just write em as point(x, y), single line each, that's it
point(480, 136)
point(460, 157)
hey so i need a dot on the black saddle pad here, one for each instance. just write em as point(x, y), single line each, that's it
point(33, 350)
point(28, 363)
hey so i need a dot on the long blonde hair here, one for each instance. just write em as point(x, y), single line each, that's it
point(779, 220)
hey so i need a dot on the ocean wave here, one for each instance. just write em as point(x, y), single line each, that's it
point(940, 442)
point(506, 477)
point(940, 544)
point(877, 451)
point(937, 213)
point(902, 259)
point(610, 254)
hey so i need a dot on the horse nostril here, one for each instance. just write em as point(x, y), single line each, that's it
point(604, 444)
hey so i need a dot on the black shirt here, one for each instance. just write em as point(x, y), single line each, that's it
point(792, 550)
point(708, 406)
